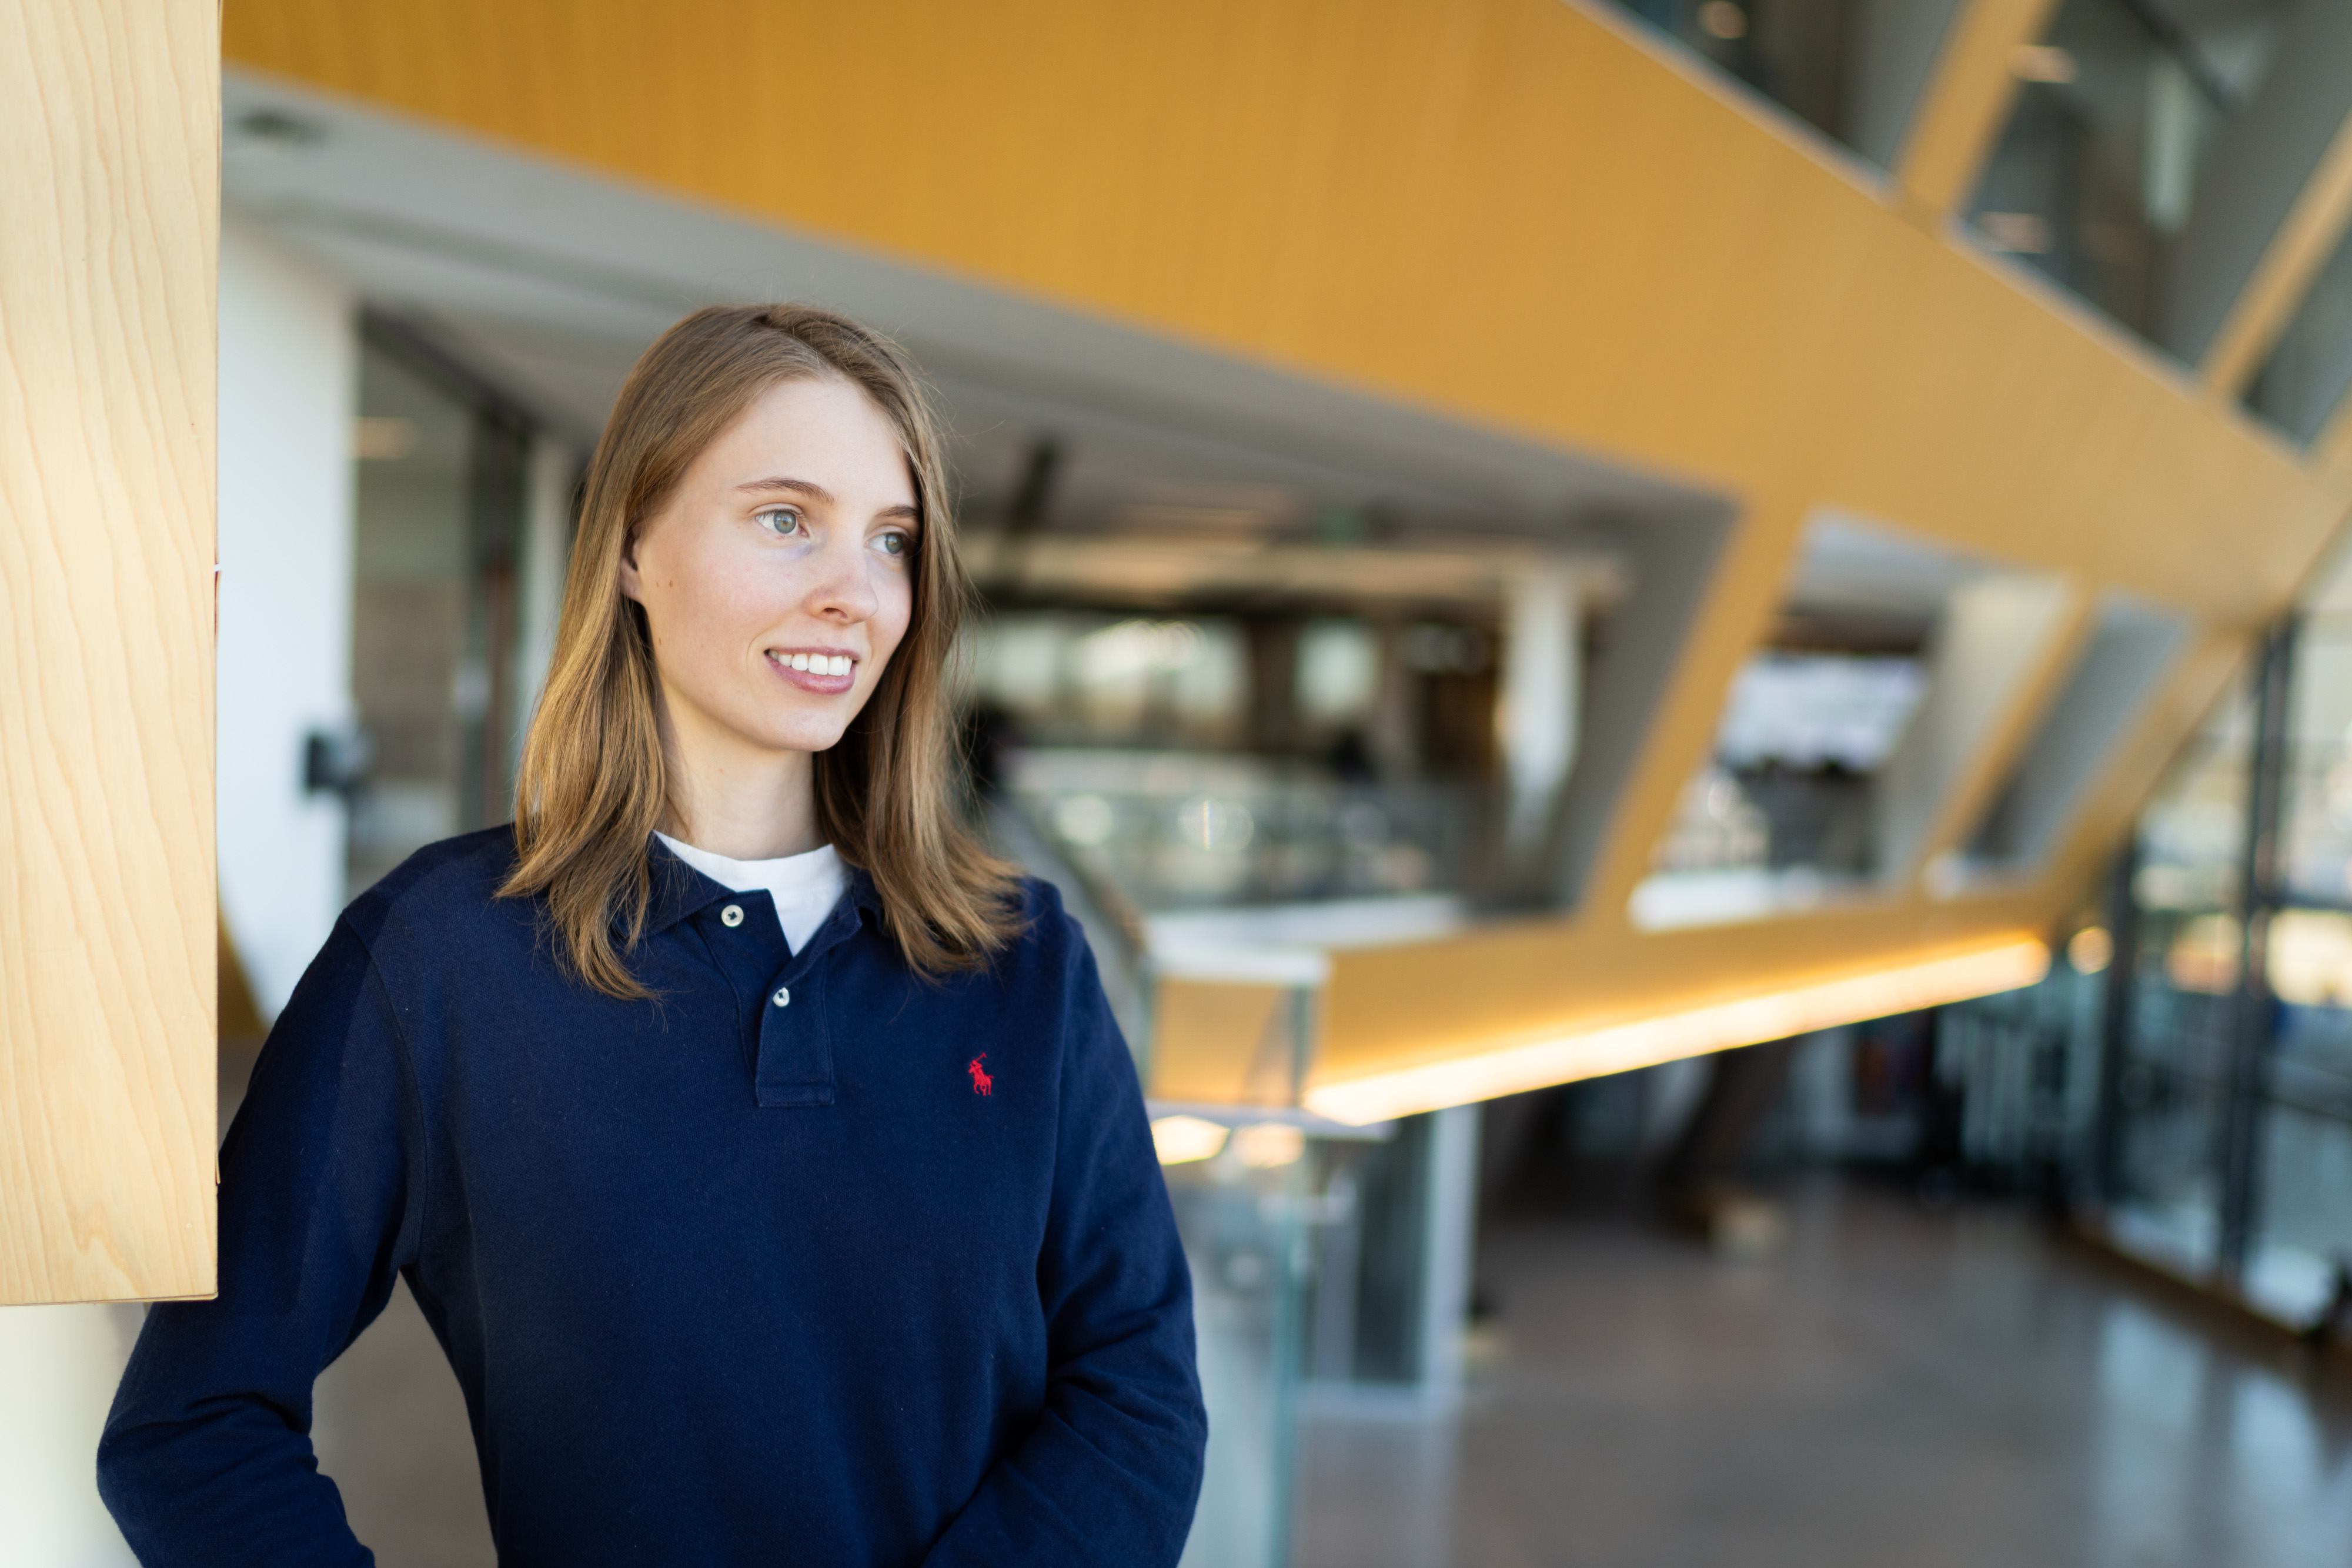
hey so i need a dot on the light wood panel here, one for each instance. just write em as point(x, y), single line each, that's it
point(109, 117)
point(1521, 213)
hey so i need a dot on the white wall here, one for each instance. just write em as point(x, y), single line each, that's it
point(58, 1366)
point(288, 391)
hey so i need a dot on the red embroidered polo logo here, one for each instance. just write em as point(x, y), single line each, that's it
point(982, 1084)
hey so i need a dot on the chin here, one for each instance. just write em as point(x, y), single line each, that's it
point(804, 736)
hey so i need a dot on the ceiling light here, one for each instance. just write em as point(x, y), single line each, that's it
point(1179, 1140)
point(2027, 234)
point(1269, 1146)
point(1722, 19)
point(2042, 63)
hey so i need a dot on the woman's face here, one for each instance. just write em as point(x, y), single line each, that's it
point(777, 580)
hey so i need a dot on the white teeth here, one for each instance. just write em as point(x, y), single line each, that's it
point(818, 664)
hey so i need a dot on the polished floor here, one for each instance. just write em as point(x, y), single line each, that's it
point(1895, 1389)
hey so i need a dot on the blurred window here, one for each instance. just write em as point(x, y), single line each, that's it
point(2116, 671)
point(408, 611)
point(1339, 671)
point(2316, 850)
point(1786, 811)
point(2302, 1231)
point(2097, 180)
point(2308, 371)
point(1853, 70)
point(434, 633)
point(1074, 678)
point(2173, 1083)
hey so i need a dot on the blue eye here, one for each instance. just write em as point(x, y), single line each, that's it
point(894, 544)
point(778, 519)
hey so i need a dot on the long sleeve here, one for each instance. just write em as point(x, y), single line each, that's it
point(1111, 1470)
point(206, 1458)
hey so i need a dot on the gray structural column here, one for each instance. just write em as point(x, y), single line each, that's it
point(2116, 1024)
point(1672, 556)
point(1542, 681)
point(2255, 1030)
point(2266, 156)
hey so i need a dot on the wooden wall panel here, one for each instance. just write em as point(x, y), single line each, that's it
point(109, 126)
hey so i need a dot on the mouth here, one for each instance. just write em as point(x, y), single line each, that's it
point(828, 672)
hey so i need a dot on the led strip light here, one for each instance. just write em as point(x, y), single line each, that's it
point(1645, 1042)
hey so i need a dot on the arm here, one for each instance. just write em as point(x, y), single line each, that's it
point(1111, 1470)
point(206, 1456)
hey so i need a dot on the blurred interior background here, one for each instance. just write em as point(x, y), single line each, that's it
point(1684, 657)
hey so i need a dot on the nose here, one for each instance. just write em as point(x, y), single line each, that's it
point(841, 588)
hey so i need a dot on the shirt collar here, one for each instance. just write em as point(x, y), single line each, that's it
point(679, 891)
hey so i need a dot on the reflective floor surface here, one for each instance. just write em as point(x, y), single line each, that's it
point(1897, 1389)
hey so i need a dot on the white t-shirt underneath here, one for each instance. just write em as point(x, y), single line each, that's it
point(805, 887)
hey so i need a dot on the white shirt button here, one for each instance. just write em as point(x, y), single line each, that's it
point(783, 996)
point(732, 916)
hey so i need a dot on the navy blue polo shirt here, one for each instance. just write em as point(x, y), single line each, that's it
point(807, 1260)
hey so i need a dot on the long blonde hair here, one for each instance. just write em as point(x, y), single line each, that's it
point(592, 785)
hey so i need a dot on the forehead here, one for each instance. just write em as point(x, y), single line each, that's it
point(825, 431)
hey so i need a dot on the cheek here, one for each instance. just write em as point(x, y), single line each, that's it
point(694, 597)
point(894, 596)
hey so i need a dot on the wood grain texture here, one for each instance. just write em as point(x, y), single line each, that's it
point(1525, 213)
point(110, 111)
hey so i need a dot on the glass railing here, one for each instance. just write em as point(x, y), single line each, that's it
point(1240, 1222)
point(1165, 831)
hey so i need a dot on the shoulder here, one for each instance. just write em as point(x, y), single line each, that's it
point(445, 888)
point(1049, 961)
point(1047, 933)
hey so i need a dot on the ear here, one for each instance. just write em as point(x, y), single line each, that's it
point(632, 587)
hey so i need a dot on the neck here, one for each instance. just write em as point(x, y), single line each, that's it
point(743, 802)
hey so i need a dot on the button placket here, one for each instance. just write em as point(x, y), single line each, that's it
point(795, 1059)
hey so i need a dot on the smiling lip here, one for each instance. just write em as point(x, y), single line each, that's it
point(819, 677)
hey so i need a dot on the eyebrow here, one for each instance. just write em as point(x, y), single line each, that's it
point(816, 492)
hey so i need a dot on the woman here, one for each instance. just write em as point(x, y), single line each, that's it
point(761, 1152)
